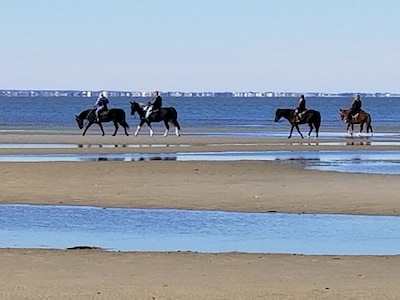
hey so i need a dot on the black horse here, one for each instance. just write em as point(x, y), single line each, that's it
point(166, 114)
point(311, 117)
point(116, 115)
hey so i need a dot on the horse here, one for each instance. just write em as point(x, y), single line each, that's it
point(311, 117)
point(166, 114)
point(116, 115)
point(361, 118)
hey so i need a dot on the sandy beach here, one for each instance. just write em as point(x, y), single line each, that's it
point(251, 186)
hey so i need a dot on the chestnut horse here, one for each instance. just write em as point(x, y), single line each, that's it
point(361, 118)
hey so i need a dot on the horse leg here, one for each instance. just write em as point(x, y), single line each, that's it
point(101, 127)
point(125, 126)
point(350, 128)
point(151, 130)
point(369, 128)
point(87, 127)
point(361, 128)
point(139, 126)
point(137, 130)
point(177, 127)
point(166, 127)
point(291, 131)
point(311, 129)
point(116, 128)
point(298, 130)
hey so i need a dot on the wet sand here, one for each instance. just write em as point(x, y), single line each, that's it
point(231, 186)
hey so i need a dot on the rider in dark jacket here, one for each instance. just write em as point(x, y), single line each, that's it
point(154, 104)
point(301, 108)
point(355, 107)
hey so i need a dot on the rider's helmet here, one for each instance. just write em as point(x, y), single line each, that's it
point(103, 94)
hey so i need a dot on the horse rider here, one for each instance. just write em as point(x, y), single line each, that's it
point(300, 109)
point(154, 104)
point(101, 104)
point(355, 108)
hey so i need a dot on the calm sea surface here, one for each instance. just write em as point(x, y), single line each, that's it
point(196, 115)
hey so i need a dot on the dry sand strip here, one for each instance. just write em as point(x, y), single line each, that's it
point(95, 274)
point(250, 186)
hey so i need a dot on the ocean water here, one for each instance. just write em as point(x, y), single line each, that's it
point(197, 115)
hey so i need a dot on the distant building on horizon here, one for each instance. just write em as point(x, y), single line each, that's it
point(177, 94)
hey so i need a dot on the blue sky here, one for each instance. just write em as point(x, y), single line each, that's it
point(201, 45)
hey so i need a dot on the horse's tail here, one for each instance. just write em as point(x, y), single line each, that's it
point(174, 118)
point(369, 121)
point(317, 123)
point(123, 119)
point(125, 124)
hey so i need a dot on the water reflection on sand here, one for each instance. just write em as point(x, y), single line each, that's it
point(359, 161)
point(35, 226)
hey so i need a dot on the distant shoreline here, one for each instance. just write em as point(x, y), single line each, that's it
point(133, 94)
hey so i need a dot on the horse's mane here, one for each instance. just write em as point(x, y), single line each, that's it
point(286, 109)
point(141, 104)
point(83, 114)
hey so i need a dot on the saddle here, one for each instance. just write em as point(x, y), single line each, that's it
point(103, 113)
point(356, 117)
point(300, 116)
point(155, 113)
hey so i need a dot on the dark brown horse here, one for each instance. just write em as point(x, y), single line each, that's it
point(361, 118)
point(311, 117)
point(116, 115)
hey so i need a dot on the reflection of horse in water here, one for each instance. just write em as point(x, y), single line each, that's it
point(166, 114)
point(116, 115)
point(360, 118)
point(311, 117)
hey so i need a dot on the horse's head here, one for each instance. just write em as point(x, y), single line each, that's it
point(278, 114)
point(134, 107)
point(343, 113)
point(137, 107)
point(79, 120)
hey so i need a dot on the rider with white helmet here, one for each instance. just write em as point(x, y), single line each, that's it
point(101, 104)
